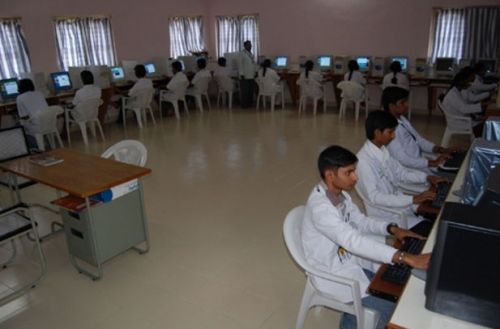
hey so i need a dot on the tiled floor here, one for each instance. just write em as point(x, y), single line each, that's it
point(221, 185)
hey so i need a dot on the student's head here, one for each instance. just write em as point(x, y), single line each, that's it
point(25, 85)
point(265, 65)
point(463, 78)
point(309, 66)
point(480, 69)
point(247, 45)
point(201, 63)
point(176, 67)
point(87, 77)
point(395, 100)
point(352, 65)
point(221, 61)
point(337, 167)
point(140, 71)
point(395, 67)
point(380, 127)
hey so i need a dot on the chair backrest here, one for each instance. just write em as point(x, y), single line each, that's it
point(310, 87)
point(87, 110)
point(224, 83)
point(142, 98)
point(201, 85)
point(13, 143)
point(44, 121)
point(266, 85)
point(455, 122)
point(351, 90)
point(128, 151)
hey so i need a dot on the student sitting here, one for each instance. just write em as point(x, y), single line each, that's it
point(396, 78)
point(478, 90)
point(142, 82)
point(201, 75)
point(89, 89)
point(179, 81)
point(380, 175)
point(29, 101)
point(354, 74)
point(455, 104)
point(268, 77)
point(408, 145)
point(310, 75)
point(223, 70)
point(335, 236)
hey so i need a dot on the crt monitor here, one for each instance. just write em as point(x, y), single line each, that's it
point(444, 64)
point(363, 63)
point(9, 88)
point(150, 68)
point(490, 65)
point(402, 60)
point(281, 62)
point(61, 81)
point(324, 62)
point(117, 73)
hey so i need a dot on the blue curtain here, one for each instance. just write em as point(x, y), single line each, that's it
point(14, 56)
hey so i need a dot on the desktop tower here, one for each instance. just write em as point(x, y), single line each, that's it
point(340, 65)
point(421, 67)
point(378, 67)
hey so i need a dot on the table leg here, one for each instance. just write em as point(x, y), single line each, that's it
point(144, 223)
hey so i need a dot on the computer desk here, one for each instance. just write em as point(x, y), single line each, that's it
point(101, 231)
point(410, 311)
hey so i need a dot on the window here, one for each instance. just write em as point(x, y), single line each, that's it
point(470, 33)
point(84, 41)
point(186, 35)
point(232, 31)
point(14, 56)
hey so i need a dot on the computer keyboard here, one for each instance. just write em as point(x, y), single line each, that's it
point(455, 162)
point(399, 273)
point(441, 193)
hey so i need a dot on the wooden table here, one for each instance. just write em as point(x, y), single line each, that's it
point(82, 175)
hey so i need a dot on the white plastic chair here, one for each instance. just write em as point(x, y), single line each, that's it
point(313, 89)
point(44, 123)
point(366, 318)
point(453, 121)
point(352, 92)
point(174, 97)
point(271, 91)
point(128, 151)
point(140, 104)
point(199, 90)
point(85, 112)
point(225, 86)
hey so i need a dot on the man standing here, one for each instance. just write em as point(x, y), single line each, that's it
point(246, 69)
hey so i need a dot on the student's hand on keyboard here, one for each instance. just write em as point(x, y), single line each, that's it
point(438, 161)
point(417, 261)
point(434, 180)
point(401, 233)
point(424, 196)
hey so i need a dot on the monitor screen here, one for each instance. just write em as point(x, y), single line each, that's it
point(281, 61)
point(402, 60)
point(9, 88)
point(61, 81)
point(489, 64)
point(150, 68)
point(324, 62)
point(117, 73)
point(363, 63)
point(444, 64)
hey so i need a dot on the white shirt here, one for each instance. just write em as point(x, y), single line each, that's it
point(142, 83)
point(30, 102)
point(270, 81)
point(408, 146)
point(246, 65)
point(200, 76)
point(478, 86)
point(455, 104)
point(87, 92)
point(224, 71)
point(313, 89)
point(402, 81)
point(313, 75)
point(356, 77)
point(178, 81)
point(334, 240)
point(380, 176)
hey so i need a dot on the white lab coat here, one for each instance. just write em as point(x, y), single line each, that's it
point(142, 83)
point(30, 102)
point(271, 81)
point(380, 177)
point(356, 77)
point(178, 82)
point(246, 65)
point(455, 104)
point(224, 71)
point(198, 78)
point(336, 242)
point(87, 92)
point(478, 86)
point(312, 84)
point(472, 97)
point(408, 146)
point(401, 83)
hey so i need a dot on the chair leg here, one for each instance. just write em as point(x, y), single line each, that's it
point(152, 115)
point(40, 142)
point(92, 128)
point(282, 99)
point(208, 101)
point(199, 102)
point(230, 99)
point(304, 305)
point(446, 138)
point(273, 100)
point(324, 104)
point(52, 143)
point(100, 129)
point(124, 117)
point(315, 105)
point(138, 115)
point(175, 103)
point(68, 135)
point(357, 106)
point(58, 137)
point(258, 99)
point(83, 129)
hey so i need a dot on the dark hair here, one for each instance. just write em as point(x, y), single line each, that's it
point(334, 157)
point(353, 66)
point(221, 61)
point(461, 77)
point(87, 77)
point(265, 64)
point(479, 68)
point(395, 68)
point(379, 120)
point(309, 65)
point(391, 95)
point(25, 85)
point(247, 42)
point(140, 71)
point(202, 63)
point(177, 66)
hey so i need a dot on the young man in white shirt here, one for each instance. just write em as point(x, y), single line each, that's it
point(142, 82)
point(408, 145)
point(334, 236)
point(246, 70)
point(87, 92)
point(29, 101)
point(203, 75)
point(381, 176)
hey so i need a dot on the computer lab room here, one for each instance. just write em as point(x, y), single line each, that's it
point(216, 164)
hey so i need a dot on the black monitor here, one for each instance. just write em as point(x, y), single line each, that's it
point(9, 88)
point(61, 81)
point(490, 65)
point(445, 65)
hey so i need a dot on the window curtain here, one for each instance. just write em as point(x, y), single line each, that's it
point(232, 31)
point(14, 55)
point(84, 41)
point(186, 35)
point(470, 33)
